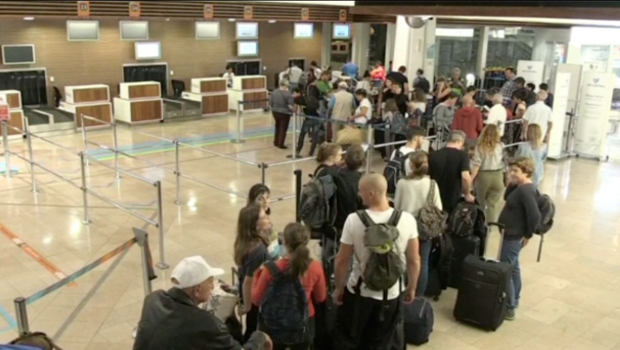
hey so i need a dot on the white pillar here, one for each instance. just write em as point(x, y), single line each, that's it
point(361, 42)
point(326, 51)
point(483, 48)
point(390, 41)
point(415, 47)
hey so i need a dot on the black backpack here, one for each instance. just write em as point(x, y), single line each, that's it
point(424, 85)
point(547, 212)
point(283, 312)
point(394, 171)
point(419, 320)
point(462, 220)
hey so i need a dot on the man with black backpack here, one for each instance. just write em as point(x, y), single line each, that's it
point(381, 244)
point(309, 101)
point(398, 166)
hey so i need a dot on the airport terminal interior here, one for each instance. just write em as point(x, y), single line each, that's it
point(118, 119)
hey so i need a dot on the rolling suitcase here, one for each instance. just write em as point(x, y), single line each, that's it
point(463, 246)
point(483, 293)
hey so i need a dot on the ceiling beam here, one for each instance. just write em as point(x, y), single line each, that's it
point(611, 14)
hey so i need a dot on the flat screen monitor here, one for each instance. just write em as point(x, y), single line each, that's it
point(18, 54)
point(134, 30)
point(303, 30)
point(341, 31)
point(207, 30)
point(83, 30)
point(247, 30)
point(247, 48)
point(148, 50)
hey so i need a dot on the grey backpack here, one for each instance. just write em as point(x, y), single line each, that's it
point(431, 220)
point(384, 267)
point(315, 210)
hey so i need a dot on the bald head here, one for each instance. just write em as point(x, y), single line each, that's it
point(468, 101)
point(373, 190)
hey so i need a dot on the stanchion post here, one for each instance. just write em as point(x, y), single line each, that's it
point(295, 115)
point(21, 313)
point(237, 138)
point(263, 172)
point(7, 151)
point(297, 193)
point(33, 178)
point(115, 136)
point(369, 141)
point(177, 172)
point(84, 138)
point(86, 220)
point(160, 225)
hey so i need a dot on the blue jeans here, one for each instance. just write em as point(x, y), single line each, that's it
point(425, 254)
point(510, 254)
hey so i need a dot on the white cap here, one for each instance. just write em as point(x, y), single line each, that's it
point(343, 84)
point(193, 271)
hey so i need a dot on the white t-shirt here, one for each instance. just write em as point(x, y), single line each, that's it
point(353, 234)
point(365, 85)
point(364, 103)
point(411, 194)
point(418, 105)
point(404, 150)
point(229, 78)
point(294, 73)
point(539, 113)
point(498, 116)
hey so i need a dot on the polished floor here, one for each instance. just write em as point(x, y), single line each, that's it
point(571, 299)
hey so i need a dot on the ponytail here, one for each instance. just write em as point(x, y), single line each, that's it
point(296, 238)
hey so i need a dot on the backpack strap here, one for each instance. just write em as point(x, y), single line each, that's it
point(273, 269)
point(430, 198)
point(395, 218)
point(365, 218)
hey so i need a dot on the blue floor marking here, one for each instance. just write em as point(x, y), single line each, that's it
point(9, 319)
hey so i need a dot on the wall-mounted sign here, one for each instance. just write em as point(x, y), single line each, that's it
point(305, 14)
point(248, 12)
point(134, 9)
point(558, 116)
point(342, 16)
point(83, 8)
point(531, 71)
point(208, 11)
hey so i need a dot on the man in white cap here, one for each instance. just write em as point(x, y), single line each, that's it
point(342, 106)
point(172, 319)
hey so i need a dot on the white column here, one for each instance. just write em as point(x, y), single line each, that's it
point(483, 48)
point(326, 51)
point(390, 41)
point(361, 42)
point(415, 47)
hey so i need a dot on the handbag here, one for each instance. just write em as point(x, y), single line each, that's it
point(222, 303)
point(350, 135)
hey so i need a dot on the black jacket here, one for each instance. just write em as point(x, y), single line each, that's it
point(172, 321)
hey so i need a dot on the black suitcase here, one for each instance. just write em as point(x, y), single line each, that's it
point(463, 246)
point(483, 293)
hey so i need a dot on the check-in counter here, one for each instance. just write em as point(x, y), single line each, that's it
point(248, 88)
point(139, 102)
point(211, 93)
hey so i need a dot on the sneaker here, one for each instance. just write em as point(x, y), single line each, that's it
point(510, 315)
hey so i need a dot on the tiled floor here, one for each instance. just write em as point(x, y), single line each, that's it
point(571, 299)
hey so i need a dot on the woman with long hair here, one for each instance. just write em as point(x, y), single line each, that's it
point(535, 149)
point(329, 158)
point(260, 194)
point(298, 264)
point(488, 167)
point(412, 193)
point(250, 252)
point(442, 90)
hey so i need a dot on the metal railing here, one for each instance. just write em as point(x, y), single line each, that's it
point(148, 274)
point(83, 186)
point(239, 112)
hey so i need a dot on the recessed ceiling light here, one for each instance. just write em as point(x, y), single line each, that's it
point(167, 19)
point(272, 21)
point(231, 20)
point(28, 18)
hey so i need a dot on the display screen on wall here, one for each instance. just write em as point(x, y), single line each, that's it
point(341, 31)
point(18, 54)
point(304, 30)
point(247, 30)
point(247, 48)
point(83, 30)
point(207, 30)
point(134, 30)
point(148, 50)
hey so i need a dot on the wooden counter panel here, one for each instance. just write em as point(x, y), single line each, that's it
point(215, 104)
point(16, 119)
point(144, 91)
point(253, 83)
point(102, 111)
point(14, 100)
point(213, 86)
point(90, 95)
point(146, 110)
point(254, 96)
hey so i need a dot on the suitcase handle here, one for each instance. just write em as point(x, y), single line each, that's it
point(502, 228)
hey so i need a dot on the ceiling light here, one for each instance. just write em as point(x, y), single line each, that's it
point(167, 19)
point(272, 21)
point(28, 18)
point(231, 20)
